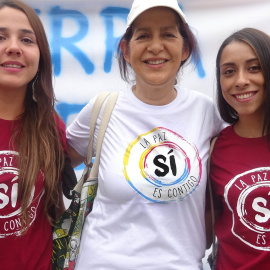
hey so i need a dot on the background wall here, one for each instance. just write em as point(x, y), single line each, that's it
point(83, 37)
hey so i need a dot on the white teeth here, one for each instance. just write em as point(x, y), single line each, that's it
point(12, 66)
point(243, 96)
point(156, 62)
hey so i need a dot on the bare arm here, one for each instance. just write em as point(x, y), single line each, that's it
point(75, 157)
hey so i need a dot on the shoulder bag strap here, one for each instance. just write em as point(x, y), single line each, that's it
point(106, 115)
point(94, 115)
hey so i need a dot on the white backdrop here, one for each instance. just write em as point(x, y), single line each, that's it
point(83, 36)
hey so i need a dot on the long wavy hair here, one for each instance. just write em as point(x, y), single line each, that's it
point(38, 140)
point(260, 43)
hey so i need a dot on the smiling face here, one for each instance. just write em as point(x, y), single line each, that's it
point(242, 80)
point(19, 52)
point(156, 49)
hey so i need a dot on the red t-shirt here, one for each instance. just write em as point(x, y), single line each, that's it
point(34, 249)
point(240, 173)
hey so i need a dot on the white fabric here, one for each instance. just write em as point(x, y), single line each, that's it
point(140, 6)
point(148, 213)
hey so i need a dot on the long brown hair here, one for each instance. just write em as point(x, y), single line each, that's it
point(38, 139)
point(260, 43)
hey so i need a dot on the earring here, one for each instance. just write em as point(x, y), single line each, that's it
point(33, 87)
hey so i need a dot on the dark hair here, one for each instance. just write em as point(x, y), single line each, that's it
point(39, 133)
point(260, 43)
point(190, 43)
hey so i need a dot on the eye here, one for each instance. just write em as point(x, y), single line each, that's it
point(27, 40)
point(169, 35)
point(227, 72)
point(2, 38)
point(255, 68)
point(142, 36)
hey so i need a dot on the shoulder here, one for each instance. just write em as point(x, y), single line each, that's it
point(59, 122)
point(203, 109)
point(225, 138)
point(194, 96)
point(226, 132)
point(61, 129)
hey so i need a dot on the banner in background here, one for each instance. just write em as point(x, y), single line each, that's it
point(84, 35)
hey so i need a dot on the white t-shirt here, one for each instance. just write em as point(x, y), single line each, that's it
point(149, 210)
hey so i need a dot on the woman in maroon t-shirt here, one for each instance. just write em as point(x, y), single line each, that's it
point(240, 162)
point(31, 141)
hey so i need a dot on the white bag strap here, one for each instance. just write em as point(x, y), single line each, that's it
point(106, 115)
point(94, 115)
point(103, 125)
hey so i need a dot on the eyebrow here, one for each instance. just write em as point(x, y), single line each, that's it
point(25, 31)
point(247, 61)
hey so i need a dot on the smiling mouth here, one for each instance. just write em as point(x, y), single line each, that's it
point(12, 66)
point(155, 62)
point(244, 96)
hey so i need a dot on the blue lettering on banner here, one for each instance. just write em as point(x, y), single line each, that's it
point(37, 11)
point(199, 65)
point(67, 109)
point(111, 41)
point(58, 42)
point(57, 16)
point(200, 69)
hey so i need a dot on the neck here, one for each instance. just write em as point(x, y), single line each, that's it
point(155, 94)
point(249, 127)
point(11, 104)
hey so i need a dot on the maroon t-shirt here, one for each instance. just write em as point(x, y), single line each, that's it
point(240, 173)
point(34, 249)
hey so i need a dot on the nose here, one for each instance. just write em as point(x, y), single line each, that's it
point(242, 80)
point(155, 45)
point(13, 47)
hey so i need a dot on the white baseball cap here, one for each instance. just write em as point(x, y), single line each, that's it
point(139, 6)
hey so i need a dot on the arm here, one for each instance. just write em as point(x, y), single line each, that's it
point(75, 157)
point(60, 207)
point(208, 219)
point(209, 202)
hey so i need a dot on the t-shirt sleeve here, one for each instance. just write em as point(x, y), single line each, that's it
point(218, 122)
point(209, 113)
point(77, 132)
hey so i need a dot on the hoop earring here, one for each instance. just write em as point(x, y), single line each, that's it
point(33, 88)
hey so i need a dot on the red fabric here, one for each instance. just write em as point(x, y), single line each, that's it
point(61, 130)
point(240, 172)
point(34, 249)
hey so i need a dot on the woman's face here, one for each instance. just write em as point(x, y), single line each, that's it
point(19, 52)
point(242, 80)
point(156, 48)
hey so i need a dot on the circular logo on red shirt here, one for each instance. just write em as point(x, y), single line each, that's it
point(248, 197)
point(11, 222)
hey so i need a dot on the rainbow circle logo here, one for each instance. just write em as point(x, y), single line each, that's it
point(162, 166)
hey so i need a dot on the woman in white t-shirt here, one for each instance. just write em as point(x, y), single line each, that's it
point(149, 208)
